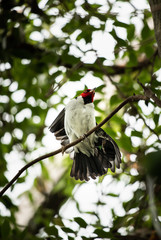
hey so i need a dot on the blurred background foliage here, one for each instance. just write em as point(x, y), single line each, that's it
point(47, 50)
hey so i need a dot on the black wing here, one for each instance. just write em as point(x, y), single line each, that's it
point(110, 148)
point(106, 155)
point(57, 127)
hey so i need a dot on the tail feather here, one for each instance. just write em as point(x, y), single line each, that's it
point(78, 169)
point(98, 166)
point(103, 158)
point(84, 166)
point(84, 171)
point(81, 170)
point(106, 155)
point(94, 172)
point(89, 169)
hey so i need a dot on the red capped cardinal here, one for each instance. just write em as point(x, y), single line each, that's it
point(95, 154)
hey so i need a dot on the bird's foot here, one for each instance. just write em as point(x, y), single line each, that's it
point(63, 149)
point(84, 136)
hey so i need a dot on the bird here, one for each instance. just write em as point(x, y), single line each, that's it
point(98, 152)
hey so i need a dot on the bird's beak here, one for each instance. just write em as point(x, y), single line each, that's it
point(93, 90)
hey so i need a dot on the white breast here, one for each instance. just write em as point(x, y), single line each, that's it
point(79, 119)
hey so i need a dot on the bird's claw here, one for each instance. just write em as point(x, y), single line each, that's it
point(84, 136)
point(63, 150)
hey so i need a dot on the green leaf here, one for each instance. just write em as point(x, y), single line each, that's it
point(67, 58)
point(52, 231)
point(146, 32)
point(115, 100)
point(3, 180)
point(71, 238)
point(74, 76)
point(85, 35)
point(45, 172)
point(118, 120)
point(133, 61)
point(5, 229)
point(8, 203)
point(158, 129)
point(120, 42)
point(125, 143)
point(58, 221)
point(80, 222)
point(67, 230)
point(121, 24)
point(113, 195)
point(130, 32)
point(21, 179)
point(102, 234)
point(137, 134)
point(100, 88)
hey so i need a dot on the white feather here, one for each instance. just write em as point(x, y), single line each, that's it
point(79, 119)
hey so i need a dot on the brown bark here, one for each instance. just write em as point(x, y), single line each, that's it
point(155, 6)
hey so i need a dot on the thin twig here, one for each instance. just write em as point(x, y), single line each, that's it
point(150, 94)
point(124, 97)
point(134, 98)
point(67, 75)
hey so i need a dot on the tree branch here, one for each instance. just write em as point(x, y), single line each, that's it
point(155, 6)
point(130, 99)
point(118, 69)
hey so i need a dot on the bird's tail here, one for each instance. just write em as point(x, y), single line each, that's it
point(106, 155)
point(85, 167)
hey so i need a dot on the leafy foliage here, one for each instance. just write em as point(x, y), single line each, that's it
point(49, 46)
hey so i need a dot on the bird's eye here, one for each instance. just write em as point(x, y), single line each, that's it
point(86, 91)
